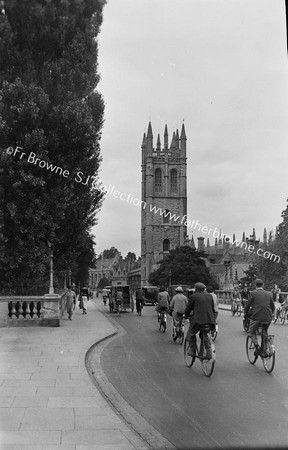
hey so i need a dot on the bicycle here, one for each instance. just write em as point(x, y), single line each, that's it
point(162, 319)
point(201, 352)
point(236, 309)
point(178, 328)
point(139, 307)
point(118, 308)
point(266, 352)
point(284, 316)
point(278, 314)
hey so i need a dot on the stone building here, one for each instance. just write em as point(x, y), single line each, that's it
point(164, 198)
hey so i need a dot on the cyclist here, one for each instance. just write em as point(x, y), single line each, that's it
point(163, 301)
point(202, 305)
point(177, 306)
point(140, 299)
point(119, 300)
point(263, 308)
point(236, 299)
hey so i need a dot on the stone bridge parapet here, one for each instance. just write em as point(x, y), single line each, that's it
point(22, 311)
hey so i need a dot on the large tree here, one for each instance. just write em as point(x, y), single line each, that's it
point(182, 265)
point(50, 110)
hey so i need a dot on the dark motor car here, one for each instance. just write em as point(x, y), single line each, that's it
point(150, 294)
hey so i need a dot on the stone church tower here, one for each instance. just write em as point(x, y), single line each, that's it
point(164, 198)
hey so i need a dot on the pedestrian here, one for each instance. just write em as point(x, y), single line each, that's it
point(74, 288)
point(85, 298)
point(70, 296)
point(263, 307)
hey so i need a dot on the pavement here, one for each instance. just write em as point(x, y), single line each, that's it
point(50, 391)
point(48, 400)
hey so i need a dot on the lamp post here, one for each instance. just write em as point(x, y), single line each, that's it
point(50, 245)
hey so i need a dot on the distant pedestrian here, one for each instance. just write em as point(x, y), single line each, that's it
point(70, 296)
point(75, 289)
point(85, 298)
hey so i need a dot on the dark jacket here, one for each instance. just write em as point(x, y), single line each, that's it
point(261, 304)
point(202, 305)
point(139, 296)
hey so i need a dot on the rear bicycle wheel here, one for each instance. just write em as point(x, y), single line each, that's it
point(269, 361)
point(189, 360)
point(207, 364)
point(233, 310)
point(238, 310)
point(283, 316)
point(250, 349)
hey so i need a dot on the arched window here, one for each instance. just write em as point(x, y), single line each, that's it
point(158, 180)
point(173, 181)
point(166, 216)
point(166, 245)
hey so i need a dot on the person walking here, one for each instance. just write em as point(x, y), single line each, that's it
point(85, 298)
point(262, 305)
point(70, 297)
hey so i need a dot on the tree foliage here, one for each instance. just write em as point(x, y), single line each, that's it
point(182, 265)
point(110, 253)
point(274, 270)
point(50, 109)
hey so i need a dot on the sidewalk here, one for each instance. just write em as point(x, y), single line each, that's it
point(47, 399)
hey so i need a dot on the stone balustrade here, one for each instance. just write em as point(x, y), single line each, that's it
point(225, 296)
point(30, 310)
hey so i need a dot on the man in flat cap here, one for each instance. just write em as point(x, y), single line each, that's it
point(262, 306)
point(202, 305)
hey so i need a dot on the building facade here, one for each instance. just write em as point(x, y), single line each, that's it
point(164, 198)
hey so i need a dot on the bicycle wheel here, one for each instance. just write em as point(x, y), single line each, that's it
point(189, 360)
point(283, 316)
point(250, 349)
point(208, 364)
point(269, 360)
point(275, 316)
point(238, 310)
point(233, 310)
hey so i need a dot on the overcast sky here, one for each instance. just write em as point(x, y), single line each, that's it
point(219, 65)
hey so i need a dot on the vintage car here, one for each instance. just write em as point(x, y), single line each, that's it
point(150, 294)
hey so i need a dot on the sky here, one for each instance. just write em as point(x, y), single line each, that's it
point(221, 67)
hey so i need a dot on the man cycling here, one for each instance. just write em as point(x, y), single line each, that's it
point(119, 300)
point(202, 305)
point(263, 308)
point(236, 299)
point(177, 306)
point(163, 301)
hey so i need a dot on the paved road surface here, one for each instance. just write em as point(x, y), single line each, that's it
point(239, 406)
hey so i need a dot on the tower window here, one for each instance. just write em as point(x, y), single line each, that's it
point(158, 180)
point(173, 181)
point(166, 216)
point(166, 245)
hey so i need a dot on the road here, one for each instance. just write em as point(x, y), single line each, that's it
point(239, 406)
